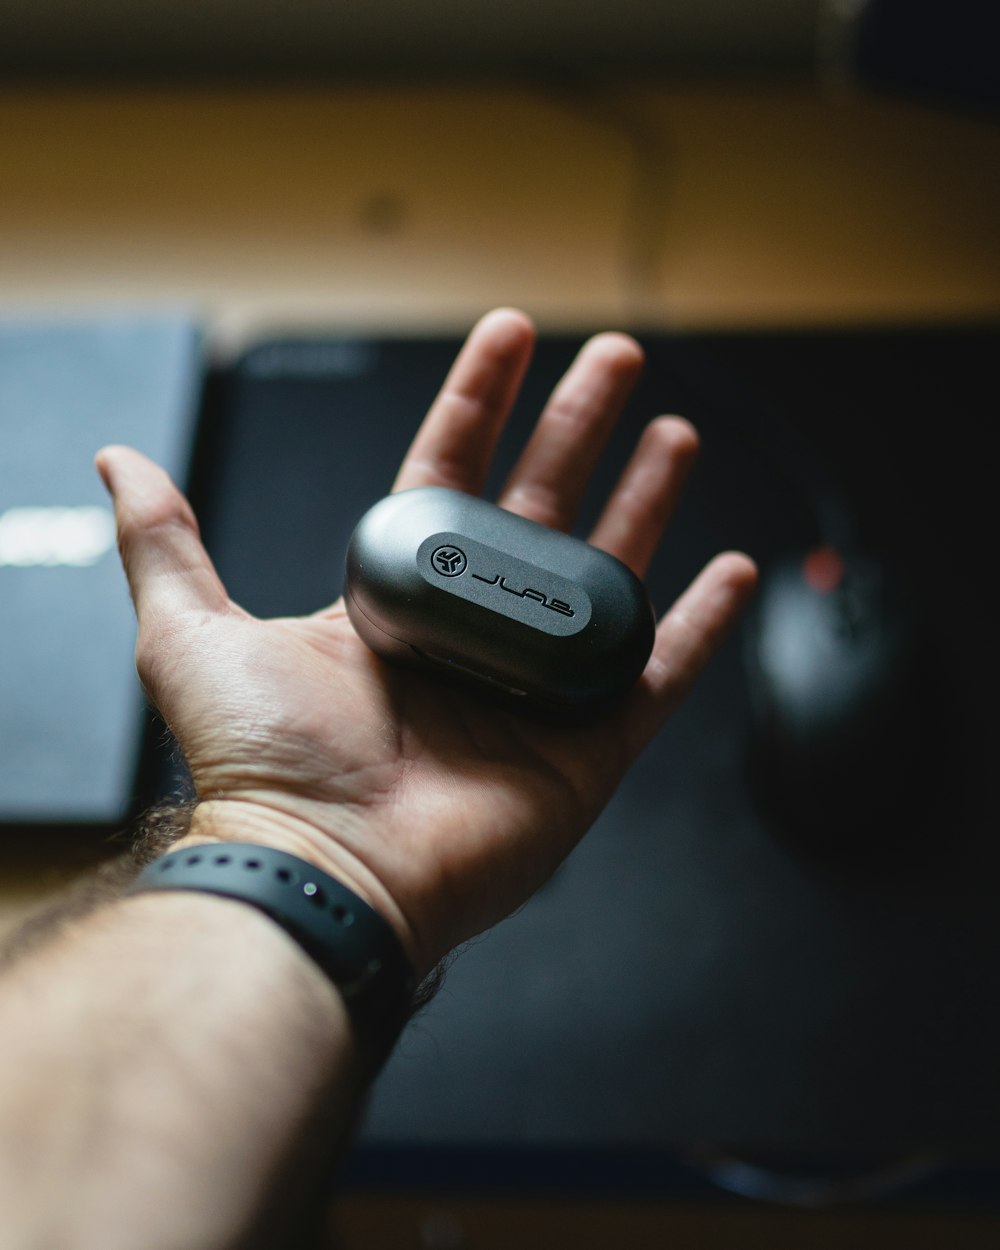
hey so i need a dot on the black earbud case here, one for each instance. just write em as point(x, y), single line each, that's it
point(455, 585)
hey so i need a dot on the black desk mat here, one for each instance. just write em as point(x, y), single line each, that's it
point(687, 980)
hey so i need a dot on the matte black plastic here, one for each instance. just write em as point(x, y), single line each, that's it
point(451, 583)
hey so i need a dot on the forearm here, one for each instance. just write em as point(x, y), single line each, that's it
point(171, 1063)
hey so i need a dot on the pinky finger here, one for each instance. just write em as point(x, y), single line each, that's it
point(686, 639)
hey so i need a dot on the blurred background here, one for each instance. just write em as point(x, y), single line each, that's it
point(377, 164)
point(249, 238)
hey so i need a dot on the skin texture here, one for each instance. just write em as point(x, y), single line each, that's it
point(443, 812)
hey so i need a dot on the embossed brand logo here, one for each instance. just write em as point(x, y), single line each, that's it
point(449, 561)
point(554, 605)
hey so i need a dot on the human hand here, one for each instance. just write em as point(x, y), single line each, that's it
point(443, 811)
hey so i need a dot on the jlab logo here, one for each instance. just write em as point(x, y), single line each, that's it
point(451, 561)
point(554, 605)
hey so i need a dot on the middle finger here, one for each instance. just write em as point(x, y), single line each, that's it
point(548, 481)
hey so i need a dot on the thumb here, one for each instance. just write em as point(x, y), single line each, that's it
point(168, 569)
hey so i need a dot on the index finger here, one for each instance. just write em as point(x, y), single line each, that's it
point(456, 442)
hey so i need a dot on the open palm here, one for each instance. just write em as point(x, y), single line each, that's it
point(445, 812)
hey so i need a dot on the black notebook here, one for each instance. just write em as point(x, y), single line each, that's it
point(71, 709)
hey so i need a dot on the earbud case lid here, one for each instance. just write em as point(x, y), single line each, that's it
point(453, 584)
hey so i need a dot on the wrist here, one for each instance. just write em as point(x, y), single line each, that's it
point(242, 820)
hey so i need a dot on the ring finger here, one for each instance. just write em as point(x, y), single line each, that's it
point(633, 520)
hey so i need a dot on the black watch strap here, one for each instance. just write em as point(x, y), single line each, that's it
point(349, 940)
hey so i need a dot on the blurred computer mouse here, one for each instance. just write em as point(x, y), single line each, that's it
point(841, 714)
